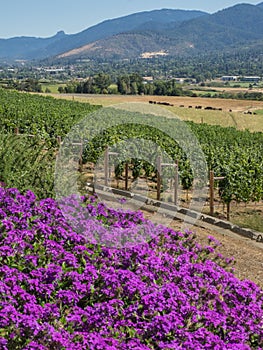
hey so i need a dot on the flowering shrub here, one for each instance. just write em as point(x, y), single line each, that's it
point(61, 291)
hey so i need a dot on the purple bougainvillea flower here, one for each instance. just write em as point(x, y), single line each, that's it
point(60, 288)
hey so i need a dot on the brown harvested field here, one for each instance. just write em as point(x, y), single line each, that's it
point(226, 104)
point(232, 113)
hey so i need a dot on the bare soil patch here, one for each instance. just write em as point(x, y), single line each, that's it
point(248, 255)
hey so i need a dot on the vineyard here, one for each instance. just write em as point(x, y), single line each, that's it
point(46, 117)
point(104, 278)
point(28, 162)
point(28, 159)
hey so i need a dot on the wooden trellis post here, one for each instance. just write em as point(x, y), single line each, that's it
point(126, 175)
point(176, 183)
point(212, 180)
point(81, 157)
point(59, 140)
point(106, 164)
point(80, 154)
point(159, 168)
point(211, 192)
point(159, 180)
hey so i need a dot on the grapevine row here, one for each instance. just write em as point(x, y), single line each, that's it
point(235, 155)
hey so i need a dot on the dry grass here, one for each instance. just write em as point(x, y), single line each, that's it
point(232, 113)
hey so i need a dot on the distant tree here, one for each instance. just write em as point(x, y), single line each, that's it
point(134, 88)
point(123, 84)
point(61, 89)
point(102, 82)
point(29, 85)
point(160, 88)
point(113, 89)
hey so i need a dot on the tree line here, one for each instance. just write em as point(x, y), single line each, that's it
point(134, 84)
point(127, 84)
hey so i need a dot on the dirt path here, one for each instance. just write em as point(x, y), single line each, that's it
point(248, 254)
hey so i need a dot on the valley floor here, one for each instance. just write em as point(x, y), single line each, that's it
point(241, 114)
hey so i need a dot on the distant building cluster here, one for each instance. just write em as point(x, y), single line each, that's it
point(250, 79)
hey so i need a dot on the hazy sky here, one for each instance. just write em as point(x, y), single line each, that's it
point(44, 18)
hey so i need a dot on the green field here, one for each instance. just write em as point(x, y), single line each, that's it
point(204, 92)
point(51, 87)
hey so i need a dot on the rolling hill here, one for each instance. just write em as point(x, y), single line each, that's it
point(36, 48)
point(234, 27)
point(148, 34)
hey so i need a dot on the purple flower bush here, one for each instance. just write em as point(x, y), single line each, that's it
point(59, 290)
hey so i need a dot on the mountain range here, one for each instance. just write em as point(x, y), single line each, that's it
point(147, 34)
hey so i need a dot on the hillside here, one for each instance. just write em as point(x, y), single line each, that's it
point(32, 48)
point(148, 34)
point(27, 47)
point(230, 28)
point(125, 45)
